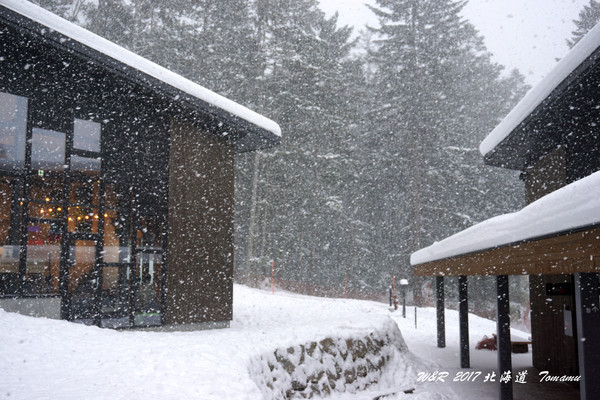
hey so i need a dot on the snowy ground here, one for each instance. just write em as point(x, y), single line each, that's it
point(48, 359)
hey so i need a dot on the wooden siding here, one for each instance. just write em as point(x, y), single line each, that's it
point(545, 176)
point(563, 254)
point(200, 250)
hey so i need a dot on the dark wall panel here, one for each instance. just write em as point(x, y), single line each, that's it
point(552, 350)
point(200, 250)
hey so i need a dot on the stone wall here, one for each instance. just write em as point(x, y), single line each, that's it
point(341, 364)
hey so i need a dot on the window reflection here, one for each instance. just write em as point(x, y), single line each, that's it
point(48, 150)
point(84, 164)
point(87, 135)
point(13, 118)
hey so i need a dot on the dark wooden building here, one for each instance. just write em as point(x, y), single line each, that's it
point(553, 137)
point(116, 180)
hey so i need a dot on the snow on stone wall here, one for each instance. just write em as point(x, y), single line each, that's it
point(340, 364)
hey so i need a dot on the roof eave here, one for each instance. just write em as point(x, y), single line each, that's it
point(265, 138)
point(507, 145)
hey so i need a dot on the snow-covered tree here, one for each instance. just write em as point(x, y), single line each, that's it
point(438, 96)
point(588, 18)
point(308, 76)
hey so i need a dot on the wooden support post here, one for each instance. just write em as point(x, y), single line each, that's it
point(588, 333)
point(503, 337)
point(441, 322)
point(463, 318)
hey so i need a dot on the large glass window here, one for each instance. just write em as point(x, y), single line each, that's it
point(48, 150)
point(62, 191)
point(13, 125)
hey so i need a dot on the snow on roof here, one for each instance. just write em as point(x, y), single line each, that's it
point(573, 206)
point(586, 46)
point(133, 60)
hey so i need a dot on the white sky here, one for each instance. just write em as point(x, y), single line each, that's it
point(525, 34)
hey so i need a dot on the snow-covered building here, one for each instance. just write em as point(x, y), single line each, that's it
point(116, 180)
point(552, 136)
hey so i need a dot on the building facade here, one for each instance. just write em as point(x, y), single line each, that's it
point(116, 180)
point(552, 137)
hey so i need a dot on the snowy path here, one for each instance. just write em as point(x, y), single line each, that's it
point(48, 359)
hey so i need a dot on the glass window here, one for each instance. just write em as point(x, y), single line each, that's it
point(43, 258)
point(48, 150)
point(150, 232)
point(87, 135)
point(83, 219)
point(82, 258)
point(84, 164)
point(114, 233)
point(9, 252)
point(47, 188)
point(13, 125)
point(45, 210)
point(148, 272)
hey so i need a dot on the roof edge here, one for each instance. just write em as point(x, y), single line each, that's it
point(568, 208)
point(584, 49)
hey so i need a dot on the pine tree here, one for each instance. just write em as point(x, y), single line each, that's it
point(305, 181)
point(588, 18)
point(219, 50)
point(438, 95)
point(72, 10)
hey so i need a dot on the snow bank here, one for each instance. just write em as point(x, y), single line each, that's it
point(573, 206)
point(51, 359)
point(133, 60)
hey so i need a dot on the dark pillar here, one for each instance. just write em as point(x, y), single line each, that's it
point(588, 333)
point(463, 320)
point(503, 333)
point(441, 323)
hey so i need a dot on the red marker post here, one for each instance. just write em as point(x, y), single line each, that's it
point(346, 287)
point(394, 291)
